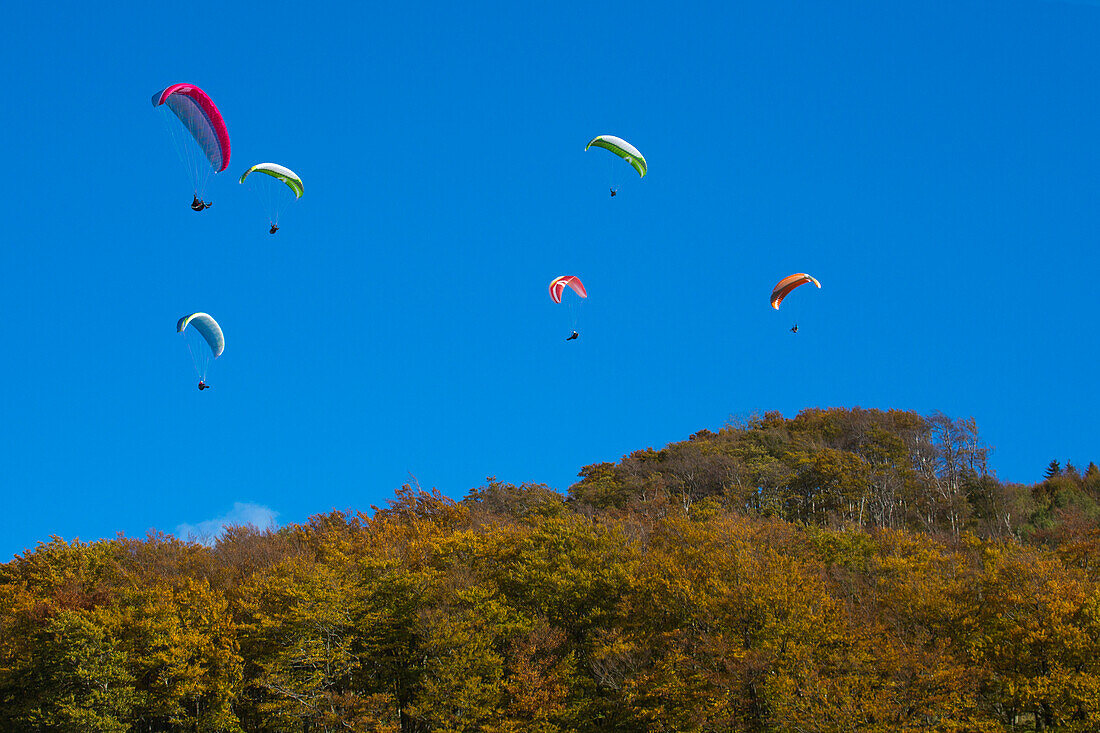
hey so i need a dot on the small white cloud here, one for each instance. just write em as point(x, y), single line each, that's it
point(208, 532)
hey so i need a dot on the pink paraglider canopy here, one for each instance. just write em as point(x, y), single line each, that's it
point(558, 285)
point(202, 119)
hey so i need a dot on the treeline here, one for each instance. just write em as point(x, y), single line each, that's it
point(843, 570)
point(841, 467)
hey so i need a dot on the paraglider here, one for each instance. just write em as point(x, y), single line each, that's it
point(784, 287)
point(273, 190)
point(557, 290)
point(622, 149)
point(559, 284)
point(199, 134)
point(205, 342)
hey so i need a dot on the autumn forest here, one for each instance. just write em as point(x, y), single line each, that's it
point(841, 570)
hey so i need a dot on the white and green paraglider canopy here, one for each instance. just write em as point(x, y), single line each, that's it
point(281, 172)
point(621, 148)
point(207, 327)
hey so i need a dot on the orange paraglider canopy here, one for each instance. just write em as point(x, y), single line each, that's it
point(783, 288)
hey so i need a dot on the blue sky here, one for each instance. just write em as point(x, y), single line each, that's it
point(935, 165)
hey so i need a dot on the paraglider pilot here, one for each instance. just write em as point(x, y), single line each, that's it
point(575, 335)
point(794, 328)
point(614, 191)
point(203, 385)
point(274, 228)
point(198, 204)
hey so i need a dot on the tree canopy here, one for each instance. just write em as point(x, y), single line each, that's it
point(839, 570)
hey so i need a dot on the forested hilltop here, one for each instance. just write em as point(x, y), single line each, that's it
point(841, 570)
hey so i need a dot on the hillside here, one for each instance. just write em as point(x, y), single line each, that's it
point(842, 467)
point(841, 570)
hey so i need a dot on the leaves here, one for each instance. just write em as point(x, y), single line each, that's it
point(842, 570)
